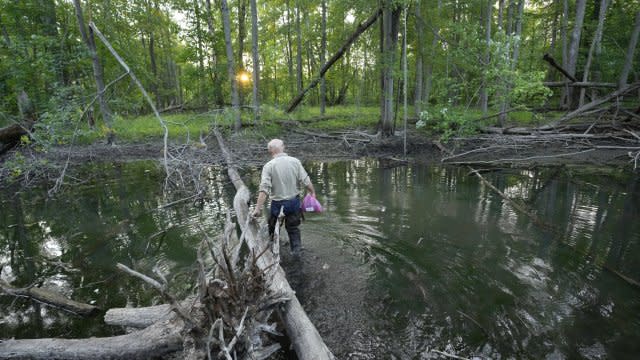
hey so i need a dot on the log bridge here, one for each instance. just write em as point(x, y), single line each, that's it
point(175, 327)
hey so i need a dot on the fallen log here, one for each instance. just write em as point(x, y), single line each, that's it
point(548, 58)
point(580, 84)
point(50, 298)
point(592, 105)
point(159, 339)
point(304, 336)
point(325, 67)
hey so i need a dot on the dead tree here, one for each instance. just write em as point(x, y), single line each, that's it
point(325, 67)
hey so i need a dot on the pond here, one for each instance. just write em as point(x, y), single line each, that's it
point(406, 259)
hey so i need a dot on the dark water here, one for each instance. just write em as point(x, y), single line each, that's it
point(406, 260)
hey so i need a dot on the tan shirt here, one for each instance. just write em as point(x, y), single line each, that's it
point(281, 177)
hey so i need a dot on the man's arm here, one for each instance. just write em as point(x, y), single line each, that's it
point(262, 197)
point(310, 189)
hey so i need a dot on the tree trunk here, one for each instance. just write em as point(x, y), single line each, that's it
point(574, 45)
point(428, 82)
point(390, 17)
point(154, 341)
point(256, 61)
point(323, 53)
point(565, 48)
point(484, 92)
point(214, 58)
point(289, 49)
point(226, 25)
point(242, 32)
point(299, 85)
point(595, 44)
point(417, 96)
point(98, 72)
point(200, 53)
point(633, 42)
point(502, 119)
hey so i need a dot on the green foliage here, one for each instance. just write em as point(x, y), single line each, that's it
point(447, 122)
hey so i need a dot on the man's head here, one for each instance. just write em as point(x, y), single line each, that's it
point(275, 146)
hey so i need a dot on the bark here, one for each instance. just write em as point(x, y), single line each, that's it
point(98, 71)
point(226, 24)
point(304, 336)
point(214, 58)
point(548, 58)
point(595, 44)
point(50, 297)
point(323, 54)
point(574, 45)
point(633, 42)
point(389, 41)
point(157, 340)
point(359, 30)
point(256, 60)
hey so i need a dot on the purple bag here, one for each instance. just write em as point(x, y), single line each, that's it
point(311, 204)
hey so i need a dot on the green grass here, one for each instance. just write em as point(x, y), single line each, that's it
point(336, 118)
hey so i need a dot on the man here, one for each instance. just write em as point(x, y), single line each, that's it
point(280, 179)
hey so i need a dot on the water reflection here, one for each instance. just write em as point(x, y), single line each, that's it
point(406, 260)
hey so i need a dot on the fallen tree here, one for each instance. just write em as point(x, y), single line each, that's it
point(304, 336)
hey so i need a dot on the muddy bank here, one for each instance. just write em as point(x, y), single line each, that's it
point(25, 165)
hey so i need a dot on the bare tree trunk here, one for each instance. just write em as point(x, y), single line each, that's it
point(390, 17)
point(428, 82)
point(98, 72)
point(226, 25)
point(574, 45)
point(299, 84)
point(514, 60)
point(500, 14)
point(289, 49)
point(323, 52)
point(633, 42)
point(565, 48)
point(417, 96)
point(214, 58)
point(242, 32)
point(256, 60)
point(595, 44)
point(200, 52)
point(484, 93)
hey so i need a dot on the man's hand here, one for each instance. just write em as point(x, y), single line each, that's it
point(257, 212)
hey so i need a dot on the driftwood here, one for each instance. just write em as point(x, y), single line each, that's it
point(304, 336)
point(325, 67)
point(50, 298)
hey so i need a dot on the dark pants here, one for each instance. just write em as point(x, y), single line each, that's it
point(292, 219)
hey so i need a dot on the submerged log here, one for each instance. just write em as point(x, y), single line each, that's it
point(50, 298)
point(304, 336)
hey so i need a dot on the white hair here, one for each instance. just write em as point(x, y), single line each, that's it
point(276, 145)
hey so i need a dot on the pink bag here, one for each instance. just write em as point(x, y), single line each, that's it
point(311, 204)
